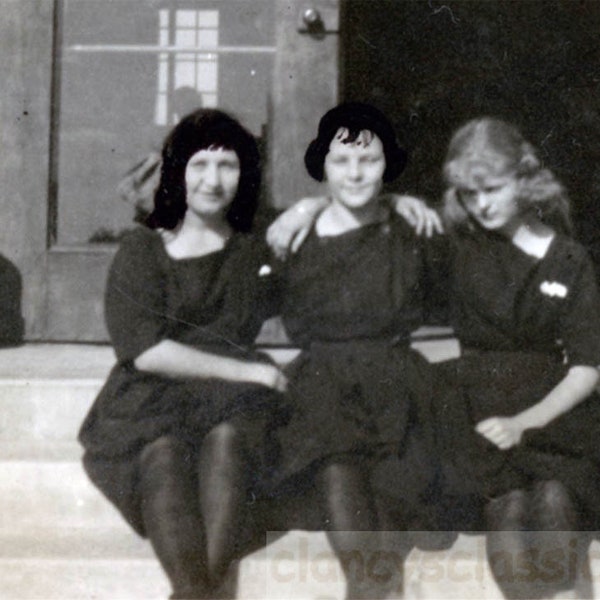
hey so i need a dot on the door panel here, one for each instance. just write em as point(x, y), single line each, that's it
point(305, 85)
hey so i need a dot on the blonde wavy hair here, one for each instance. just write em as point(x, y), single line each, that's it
point(491, 146)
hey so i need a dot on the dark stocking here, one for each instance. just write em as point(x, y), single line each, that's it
point(173, 524)
point(223, 488)
point(351, 525)
point(562, 550)
point(507, 544)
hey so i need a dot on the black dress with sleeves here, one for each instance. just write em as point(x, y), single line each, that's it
point(350, 302)
point(522, 323)
point(216, 303)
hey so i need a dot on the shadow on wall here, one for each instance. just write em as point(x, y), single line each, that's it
point(11, 320)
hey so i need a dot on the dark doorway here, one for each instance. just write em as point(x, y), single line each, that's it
point(431, 65)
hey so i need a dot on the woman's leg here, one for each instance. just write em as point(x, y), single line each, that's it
point(171, 517)
point(562, 549)
point(507, 544)
point(352, 527)
point(223, 483)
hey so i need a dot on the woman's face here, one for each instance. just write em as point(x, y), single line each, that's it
point(492, 200)
point(354, 171)
point(211, 181)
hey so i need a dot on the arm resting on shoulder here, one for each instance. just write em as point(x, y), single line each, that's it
point(423, 219)
point(576, 386)
point(173, 359)
point(291, 227)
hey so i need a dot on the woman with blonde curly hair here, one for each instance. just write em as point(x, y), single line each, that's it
point(518, 407)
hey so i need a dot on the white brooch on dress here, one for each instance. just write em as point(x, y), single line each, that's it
point(265, 270)
point(553, 288)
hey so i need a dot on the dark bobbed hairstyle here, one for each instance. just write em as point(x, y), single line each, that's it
point(488, 145)
point(200, 130)
point(355, 117)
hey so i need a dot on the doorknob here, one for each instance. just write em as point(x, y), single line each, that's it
point(324, 19)
point(311, 17)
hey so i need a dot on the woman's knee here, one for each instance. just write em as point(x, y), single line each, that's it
point(224, 438)
point(553, 507)
point(166, 452)
point(507, 512)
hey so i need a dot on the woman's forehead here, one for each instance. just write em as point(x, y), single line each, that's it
point(214, 151)
point(365, 139)
point(475, 173)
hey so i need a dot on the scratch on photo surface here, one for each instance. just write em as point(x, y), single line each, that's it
point(366, 41)
point(444, 8)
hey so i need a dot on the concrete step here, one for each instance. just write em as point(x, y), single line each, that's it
point(60, 538)
point(82, 580)
point(99, 564)
point(102, 564)
point(44, 409)
point(106, 565)
point(56, 493)
point(42, 405)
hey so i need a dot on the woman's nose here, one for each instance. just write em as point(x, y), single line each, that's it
point(211, 176)
point(354, 169)
point(483, 201)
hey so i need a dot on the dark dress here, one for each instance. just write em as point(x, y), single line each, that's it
point(359, 392)
point(216, 303)
point(522, 322)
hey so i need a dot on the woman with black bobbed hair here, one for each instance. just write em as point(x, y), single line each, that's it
point(178, 438)
point(352, 295)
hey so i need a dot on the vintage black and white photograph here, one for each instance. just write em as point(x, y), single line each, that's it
point(299, 299)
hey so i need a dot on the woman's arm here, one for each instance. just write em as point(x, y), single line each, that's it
point(423, 219)
point(576, 386)
point(173, 359)
point(290, 229)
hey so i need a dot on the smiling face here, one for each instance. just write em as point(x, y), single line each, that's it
point(211, 182)
point(492, 200)
point(354, 169)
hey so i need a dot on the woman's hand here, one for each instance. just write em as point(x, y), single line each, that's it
point(417, 214)
point(268, 375)
point(504, 432)
point(289, 230)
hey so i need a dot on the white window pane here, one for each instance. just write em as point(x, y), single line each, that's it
point(163, 37)
point(208, 38)
point(185, 38)
point(185, 56)
point(185, 74)
point(160, 110)
point(207, 76)
point(185, 18)
point(163, 18)
point(163, 73)
point(210, 100)
point(208, 18)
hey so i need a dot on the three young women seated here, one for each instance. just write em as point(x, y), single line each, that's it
point(193, 424)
